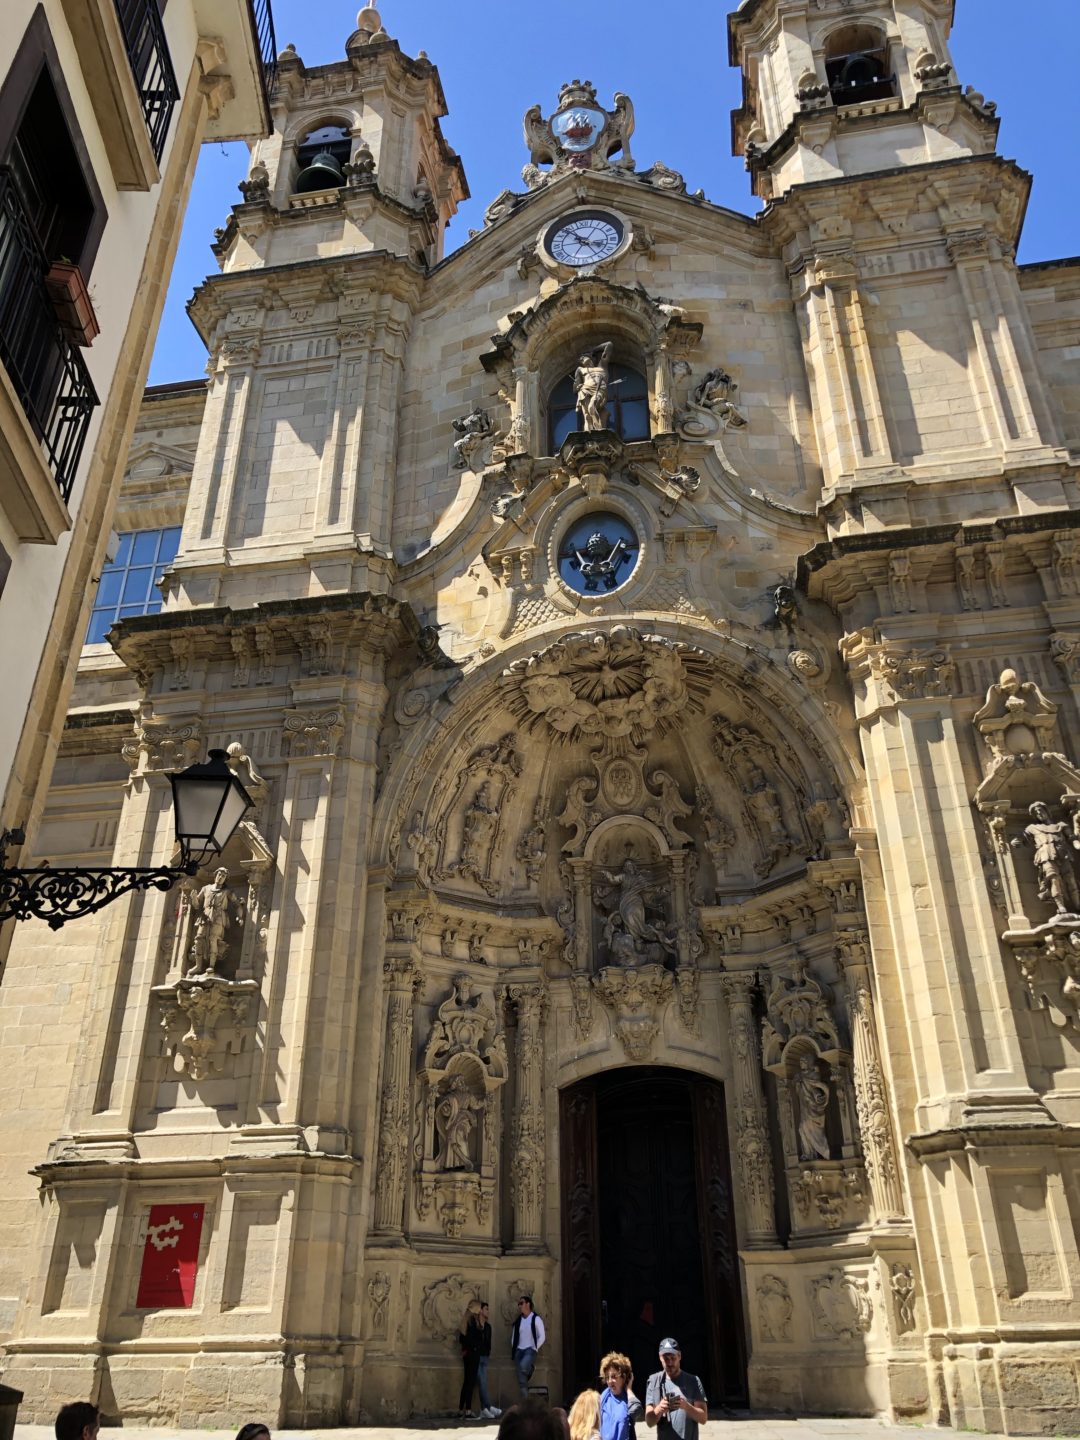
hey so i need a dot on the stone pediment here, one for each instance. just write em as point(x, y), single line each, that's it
point(153, 462)
point(613, 307)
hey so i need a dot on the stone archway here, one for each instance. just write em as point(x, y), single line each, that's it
point(648, 1233)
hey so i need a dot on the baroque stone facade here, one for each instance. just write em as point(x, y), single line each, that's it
point(732, 736)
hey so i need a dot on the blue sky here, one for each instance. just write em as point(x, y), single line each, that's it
point(498, 57)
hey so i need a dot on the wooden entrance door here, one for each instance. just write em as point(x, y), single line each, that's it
point(648, 1231)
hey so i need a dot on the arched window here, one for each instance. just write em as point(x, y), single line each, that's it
point(329, 143)
point(627, 406)
point(857, 66)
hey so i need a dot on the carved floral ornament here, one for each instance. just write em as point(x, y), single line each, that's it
point(621, 683)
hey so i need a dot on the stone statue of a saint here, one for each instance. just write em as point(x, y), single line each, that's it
point(455, 1120)
point(591, 387)
point(813, 1096)
point(210, 907)
point(477, 831)
point(1055, 862)
point(628, 932)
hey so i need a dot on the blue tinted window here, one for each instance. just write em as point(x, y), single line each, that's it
point(128, 583)
point(628, 407)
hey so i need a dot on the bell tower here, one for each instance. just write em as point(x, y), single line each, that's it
point(831, 92)
point(356, 161)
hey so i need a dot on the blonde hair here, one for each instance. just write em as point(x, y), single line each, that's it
point(620, 1362)
point(585, 1415)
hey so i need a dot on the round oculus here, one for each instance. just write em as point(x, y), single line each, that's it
point(598, 553)
point(584, 238)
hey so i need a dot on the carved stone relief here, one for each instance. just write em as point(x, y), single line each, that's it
point(204, 1020)
point(841, 1306)
point(378, 1289)
point(614, 684)
point(902, 1284)
point(444, 1303)
point(774, 1309)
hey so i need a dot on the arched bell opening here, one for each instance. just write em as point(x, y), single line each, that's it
point(858, 65)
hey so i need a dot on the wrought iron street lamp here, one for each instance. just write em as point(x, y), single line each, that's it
point(208, 804)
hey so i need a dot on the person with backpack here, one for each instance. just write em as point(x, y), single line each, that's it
point(525, 1341)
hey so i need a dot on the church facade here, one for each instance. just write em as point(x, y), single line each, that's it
point(650, 640)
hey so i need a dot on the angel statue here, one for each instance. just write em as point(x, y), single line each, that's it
point(473, 429)
point(591, 387)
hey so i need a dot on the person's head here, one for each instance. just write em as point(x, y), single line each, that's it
point(615, 1372)
point(532, 1420)
point(525, 1304)
point(253, 1430)
point(670, 1356)
point(78, 1421)
point(585, 1415)
point(485, 1312)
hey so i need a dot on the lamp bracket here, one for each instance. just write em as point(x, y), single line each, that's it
point(57, 893)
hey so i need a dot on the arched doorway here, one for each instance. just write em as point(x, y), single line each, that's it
point(648, 1229)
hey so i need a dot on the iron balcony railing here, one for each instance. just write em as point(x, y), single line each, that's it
point(46, 370)
point(151, 65)
point(262, 20)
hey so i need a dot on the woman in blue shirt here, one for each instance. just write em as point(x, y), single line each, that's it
point(619, 1406)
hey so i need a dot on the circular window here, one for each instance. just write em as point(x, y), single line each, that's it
point(598, 553)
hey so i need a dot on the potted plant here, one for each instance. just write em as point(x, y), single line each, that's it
point(71, 301)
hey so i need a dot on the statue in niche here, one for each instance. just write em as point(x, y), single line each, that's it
point(628, 933)
point(591, 387)
point(211, 907)
point(813, 1097)
point(764, 806)
point(481, 819)
point(455, 1120)
point(1055, 863)
point(472, 429)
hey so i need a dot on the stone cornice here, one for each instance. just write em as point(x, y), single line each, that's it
point(315, 635)
point(377, 275)
point(988, 178)
point(835, 570)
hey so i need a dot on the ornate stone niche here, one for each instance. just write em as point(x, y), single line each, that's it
point(461, 1073)
point(629, 919)
point(802, 1049)
point(214, 946)
point(1030, 799)
point(770, 801)
point(469, 833)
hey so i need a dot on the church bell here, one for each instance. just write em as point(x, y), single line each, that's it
point(324, 173)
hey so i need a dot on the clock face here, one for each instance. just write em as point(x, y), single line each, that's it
point(585, 238)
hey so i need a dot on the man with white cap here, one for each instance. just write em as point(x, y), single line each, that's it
point(675, 1400)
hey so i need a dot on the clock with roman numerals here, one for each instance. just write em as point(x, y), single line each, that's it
point(584, 238)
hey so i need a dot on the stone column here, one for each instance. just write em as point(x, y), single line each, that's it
point(527, 1150)
point(751, 1123)
point(403, 977)
point(871, 1103)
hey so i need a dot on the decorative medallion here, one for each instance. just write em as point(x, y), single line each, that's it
point(598, 553)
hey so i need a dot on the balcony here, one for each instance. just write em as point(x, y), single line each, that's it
point(247, 60)
point(43, 433)
point(151, 66)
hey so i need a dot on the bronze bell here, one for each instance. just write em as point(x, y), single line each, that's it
point(324, 173)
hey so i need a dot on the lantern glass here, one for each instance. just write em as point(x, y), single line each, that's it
point(209, 804)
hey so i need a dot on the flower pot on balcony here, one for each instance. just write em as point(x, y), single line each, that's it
point(71, 301)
